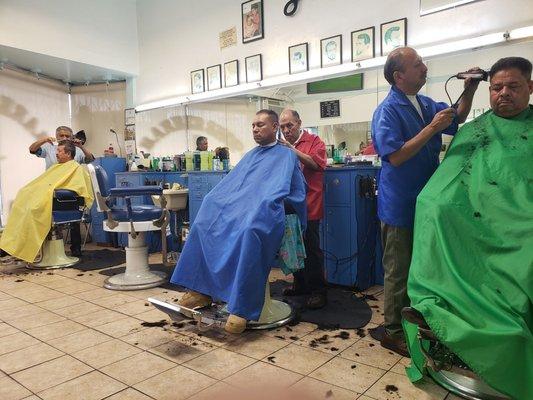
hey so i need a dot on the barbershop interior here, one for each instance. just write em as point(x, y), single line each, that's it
point(369, 162)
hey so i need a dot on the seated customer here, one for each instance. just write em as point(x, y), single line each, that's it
point(238, 230)
point(30, 218)
point(471, 275)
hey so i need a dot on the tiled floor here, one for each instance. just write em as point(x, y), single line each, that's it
point(62, 336)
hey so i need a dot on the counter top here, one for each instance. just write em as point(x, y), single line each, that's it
point(345, 167)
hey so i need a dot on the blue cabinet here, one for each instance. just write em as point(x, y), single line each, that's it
point(201, 183)
point(350, 227)
point(111, 166)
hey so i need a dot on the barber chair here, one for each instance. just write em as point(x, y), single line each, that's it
point(135, 220)
point(67, 207)
point(275, 313)
point(445, 367)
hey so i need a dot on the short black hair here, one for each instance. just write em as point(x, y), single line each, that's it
point(519, 63)
point(69, 147)
point(199, 140)
point(272, 114)
point(394, 63)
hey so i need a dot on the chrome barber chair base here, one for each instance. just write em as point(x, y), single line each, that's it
point(137, 275)
point(465, 386)
point(275, 314)
point(53, 256)
point(126, 281)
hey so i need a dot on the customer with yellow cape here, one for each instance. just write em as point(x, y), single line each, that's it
point(30, 218)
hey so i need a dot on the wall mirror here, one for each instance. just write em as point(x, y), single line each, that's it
point(227, 122)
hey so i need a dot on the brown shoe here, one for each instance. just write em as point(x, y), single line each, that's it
point(235, 324)
point(396, 344)
point(194, 300)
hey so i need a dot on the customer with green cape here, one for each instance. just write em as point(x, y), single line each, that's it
point(471, 275)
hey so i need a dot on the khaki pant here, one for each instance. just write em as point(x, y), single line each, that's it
point(397, 250)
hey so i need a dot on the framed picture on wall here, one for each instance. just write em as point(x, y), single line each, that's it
point(252, 20)
point(231, 73)
point(393, 35)
point(197, 81)
point(214, 77)
point(254, 71)
point(331, 51)
point(298, 61)
point(363, 44)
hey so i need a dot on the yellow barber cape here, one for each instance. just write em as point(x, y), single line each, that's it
point(31, 216)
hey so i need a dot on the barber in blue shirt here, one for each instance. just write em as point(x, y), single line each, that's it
point(407, 133)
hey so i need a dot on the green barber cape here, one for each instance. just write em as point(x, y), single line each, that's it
point(471, 273)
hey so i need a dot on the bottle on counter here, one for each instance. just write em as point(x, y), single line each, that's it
point(204, 161)
point(196, 161)
point(189, 166)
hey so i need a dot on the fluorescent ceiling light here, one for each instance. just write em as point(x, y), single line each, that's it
point(339, 70)
point(521, 33)
point(444, 6)
point(465, 44)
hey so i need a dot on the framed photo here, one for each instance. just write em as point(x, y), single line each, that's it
point(298, 60)
point(254, 71)
point(231, 73)
point(393, 35)
point(214, 77)
point(363, 44)
point(252, 20)
point(129, 116)
point(197, 81)
point(331, 51)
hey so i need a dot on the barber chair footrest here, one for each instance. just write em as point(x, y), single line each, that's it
point(127, 281)
point(465, 386)
point(53, 256)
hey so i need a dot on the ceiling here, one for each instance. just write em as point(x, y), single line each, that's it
point(73, 72)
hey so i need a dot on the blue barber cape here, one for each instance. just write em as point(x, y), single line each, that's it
point(238, 230)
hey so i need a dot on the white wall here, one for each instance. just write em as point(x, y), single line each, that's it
point(28, 109)
point(178, 36)
point(96, 109)
point(96, 32)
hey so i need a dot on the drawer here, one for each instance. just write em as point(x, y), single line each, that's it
point(337, 188)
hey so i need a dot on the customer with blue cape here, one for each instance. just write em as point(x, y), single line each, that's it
point(239, 228)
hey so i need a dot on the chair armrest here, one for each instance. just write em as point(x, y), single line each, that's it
point(135, 191)
point(65, 194)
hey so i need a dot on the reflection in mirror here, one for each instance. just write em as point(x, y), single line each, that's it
point(227, 122)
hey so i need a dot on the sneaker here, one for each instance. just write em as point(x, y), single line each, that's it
point(235, 324)
point(316, 301)
point(395, 343)
point(194, 300)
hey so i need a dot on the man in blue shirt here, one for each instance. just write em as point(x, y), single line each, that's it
point(407, 133)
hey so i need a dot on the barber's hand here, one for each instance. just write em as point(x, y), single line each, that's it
point(285, 143)
point(472, 84)
point(442, 119)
